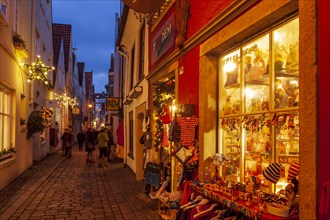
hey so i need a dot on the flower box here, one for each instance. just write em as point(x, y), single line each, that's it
point(6, 156)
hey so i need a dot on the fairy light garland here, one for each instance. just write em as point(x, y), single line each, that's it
point(38, 70)
point(66, 99)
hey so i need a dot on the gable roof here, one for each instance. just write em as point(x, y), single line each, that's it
point(57, 40)
point(81, 68)
point(64, 30)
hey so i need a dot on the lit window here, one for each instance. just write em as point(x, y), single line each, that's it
point(5, 116)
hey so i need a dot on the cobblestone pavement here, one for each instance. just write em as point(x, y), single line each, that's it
point(60, 188)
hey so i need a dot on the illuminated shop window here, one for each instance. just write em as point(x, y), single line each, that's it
point(259, 105)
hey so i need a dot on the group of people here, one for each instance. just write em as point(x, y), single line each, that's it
point(103, 139)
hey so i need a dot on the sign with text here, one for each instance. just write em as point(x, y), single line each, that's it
point(163, 40)
point(112, 104)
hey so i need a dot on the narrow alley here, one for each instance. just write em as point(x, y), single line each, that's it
point(61, 188)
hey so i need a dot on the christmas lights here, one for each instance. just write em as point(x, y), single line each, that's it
point(65, 99)
point(38, 70)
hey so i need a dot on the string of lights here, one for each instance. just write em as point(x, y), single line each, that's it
point(38, 70)
point(66, 99)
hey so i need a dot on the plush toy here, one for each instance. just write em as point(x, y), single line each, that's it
point(227, 109)
point(292, 61)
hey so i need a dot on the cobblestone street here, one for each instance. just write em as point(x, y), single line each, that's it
point(60, 188)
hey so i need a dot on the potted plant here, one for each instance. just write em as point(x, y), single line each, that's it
point(35, 124)
point(18, 42)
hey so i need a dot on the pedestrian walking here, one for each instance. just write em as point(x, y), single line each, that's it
point(90, 145)
point(102, 140)
point(111, 147)
point(81, 139)
point(67, 142)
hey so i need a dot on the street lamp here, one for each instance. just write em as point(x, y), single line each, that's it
point(90, 107)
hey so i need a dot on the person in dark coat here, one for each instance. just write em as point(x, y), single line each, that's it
point(90, 145)
point(81, 139)
point(67, 141)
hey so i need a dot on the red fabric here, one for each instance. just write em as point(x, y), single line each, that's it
point(120, 133)
point(186, 193)
point(188, 125)
point(324, 210)
point(165, 117)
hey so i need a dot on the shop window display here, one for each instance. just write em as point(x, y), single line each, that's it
point(256, 75)
point(230, 98)
point(258, 107)
point(286, 65)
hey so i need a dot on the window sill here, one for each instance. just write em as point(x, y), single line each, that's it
point(6, 160)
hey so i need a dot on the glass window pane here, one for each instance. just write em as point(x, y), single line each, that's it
point(1, 132)
point(231, 149)
point(229, 82)
point(256, 75)
point(257, 145)
point(1, 101)
point(7, 106)
point(287, 143)
point(286, 64)
point(6, 132)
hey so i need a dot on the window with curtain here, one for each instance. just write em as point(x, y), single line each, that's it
point(5, 118)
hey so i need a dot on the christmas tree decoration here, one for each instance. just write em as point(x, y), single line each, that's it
point(164, 96)
point(38, 70)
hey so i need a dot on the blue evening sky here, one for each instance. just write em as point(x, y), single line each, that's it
point(93, 24)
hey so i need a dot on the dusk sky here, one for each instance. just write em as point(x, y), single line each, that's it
point(92, 33)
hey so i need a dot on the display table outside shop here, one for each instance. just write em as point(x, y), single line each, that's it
point(253, 210)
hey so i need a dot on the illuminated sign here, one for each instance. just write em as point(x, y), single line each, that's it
point(112, 104)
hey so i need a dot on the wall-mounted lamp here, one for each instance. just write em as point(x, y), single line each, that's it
point(128, 101)
point(136, 92)
point(38, 70)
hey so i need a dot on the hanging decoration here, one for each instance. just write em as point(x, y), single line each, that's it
point(164, 97)
point(38, 70)
point(35, 124)
point(66, 99)
point(255, 123)
point(47, 115)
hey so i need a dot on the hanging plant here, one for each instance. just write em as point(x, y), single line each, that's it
point(35, 124)
point(18, 42)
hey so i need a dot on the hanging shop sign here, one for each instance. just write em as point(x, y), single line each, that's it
point(144, 6)
point(112, 104)
point(164, 40)
point(76, 111)
point(52, 104)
